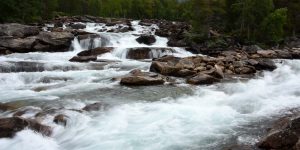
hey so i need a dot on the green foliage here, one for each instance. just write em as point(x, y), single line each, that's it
point(272, 27)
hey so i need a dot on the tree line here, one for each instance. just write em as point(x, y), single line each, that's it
point(252, 20)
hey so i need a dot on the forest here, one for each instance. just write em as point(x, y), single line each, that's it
point(267, 21)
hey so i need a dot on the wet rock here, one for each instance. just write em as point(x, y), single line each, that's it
point(96, 51)
point(18, 45)
point(147, 53)
point(146, 39)
point(202, 79)
point(95, 107)
point(10, 126)
point(60, 119)
point(83, 58)
point(141, 80)
point(173, 42)
point(22, 66)
point(284, 134)
point(18, 30)
point(296, 54)
point(245, 70)
point(279, 140)
point(4, 51)
point(25, 110)
point(57, 41)
point(81, 32)
point(164, 68)
point(123, 29)
point(78, 26)
point(6, 107)
point(185, 73)
point(265, 64)
point(88, 36)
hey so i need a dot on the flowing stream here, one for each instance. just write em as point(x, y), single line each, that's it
point(164, 117)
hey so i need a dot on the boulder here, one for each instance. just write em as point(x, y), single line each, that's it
point(141, 80)
point(10, 126)
point(146, 39)
point(265, 64)
point(78, 26)
point(164, 68)
point(284, 134)
point(267, 53)
point(96, 51)
point(147, 52)
point(185, 73)
point(57, 41)
point(202, 79)
point(88, 36)
point(18, 45)
point(18, 30)
point(186, 63)
point(4, 51)
point(284, 139)
point(245, 70)
point(284, 54)
point(60, 119)
point(83, 58)
point(173, 42)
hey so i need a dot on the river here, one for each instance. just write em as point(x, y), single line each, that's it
point(167, 117)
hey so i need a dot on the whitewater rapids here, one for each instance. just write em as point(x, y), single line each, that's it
point(141, 118)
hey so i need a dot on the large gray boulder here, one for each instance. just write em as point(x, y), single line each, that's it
point(61, 40)
point(18, 30)
point(18, 45)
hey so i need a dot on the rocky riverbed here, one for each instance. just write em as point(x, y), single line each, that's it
point(98, 83)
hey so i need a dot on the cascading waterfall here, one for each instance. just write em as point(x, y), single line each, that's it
point(147, 118)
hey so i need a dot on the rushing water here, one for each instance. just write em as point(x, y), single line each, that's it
point(138, 118)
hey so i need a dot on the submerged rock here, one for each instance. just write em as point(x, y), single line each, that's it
point(95, 107)
point(60, 119)
point(6, 107)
